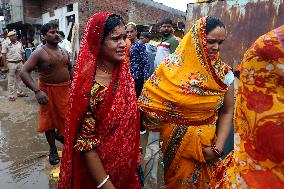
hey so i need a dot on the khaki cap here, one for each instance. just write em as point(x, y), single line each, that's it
point(11, 33)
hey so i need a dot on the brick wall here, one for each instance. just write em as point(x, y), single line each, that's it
point(140, 11)
point(147, 14)
point(32, 8)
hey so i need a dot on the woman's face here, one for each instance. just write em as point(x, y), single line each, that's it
point(113, 47)
point(214, 41)
point(131, 33)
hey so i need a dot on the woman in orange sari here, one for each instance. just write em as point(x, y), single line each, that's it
point(258, 158)
point(186, 99)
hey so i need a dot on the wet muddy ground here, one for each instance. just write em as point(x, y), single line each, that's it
point(23, 151)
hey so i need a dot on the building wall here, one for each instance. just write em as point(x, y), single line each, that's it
point(32, 8)
point(15, 12)
point(61, 15)
point(140, 11)
point(245, 21)
point(32, 11)
point(149, 12)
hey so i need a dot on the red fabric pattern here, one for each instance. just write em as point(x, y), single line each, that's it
point(263, 147)
point(259, 102)
point(118, 119)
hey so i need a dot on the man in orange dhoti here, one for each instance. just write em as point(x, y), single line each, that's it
point(52, 93)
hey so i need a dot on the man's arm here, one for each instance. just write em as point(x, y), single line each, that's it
point(23, 57)
point(28, 67)
point(4, 52)
point(70, 68)
point(4, 60)
point(23, 54)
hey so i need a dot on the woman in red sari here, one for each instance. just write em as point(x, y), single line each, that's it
point(102, 128)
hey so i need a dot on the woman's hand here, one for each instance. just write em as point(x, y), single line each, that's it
point(108, 185)
point(209, 155)
point(140, 155)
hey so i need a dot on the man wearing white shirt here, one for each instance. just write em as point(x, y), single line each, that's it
point(65, 44)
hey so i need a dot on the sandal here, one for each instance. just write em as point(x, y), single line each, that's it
point(22, 94)
point(53, 158)
point(12, 98)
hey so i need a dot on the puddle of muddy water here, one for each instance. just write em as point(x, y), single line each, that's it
point(23, 152)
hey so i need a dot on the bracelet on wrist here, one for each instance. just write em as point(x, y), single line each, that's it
point(103, 182)
point(141, 149)
point(216, 150)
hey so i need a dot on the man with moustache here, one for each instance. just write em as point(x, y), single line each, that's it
point(52, 92)
point(168, 44)
point(13, 58)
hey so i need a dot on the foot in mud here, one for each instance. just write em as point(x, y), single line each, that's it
point(53, 157)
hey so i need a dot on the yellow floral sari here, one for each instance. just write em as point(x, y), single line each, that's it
point(181, 101)
point(258, 158)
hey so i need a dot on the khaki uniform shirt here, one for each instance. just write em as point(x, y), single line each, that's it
point(5, 41)
point(13, 51)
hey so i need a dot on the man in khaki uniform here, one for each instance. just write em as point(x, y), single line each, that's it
point(13, 57)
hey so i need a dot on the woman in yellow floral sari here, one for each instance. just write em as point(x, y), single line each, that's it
point(258, 158)
point(186, 99)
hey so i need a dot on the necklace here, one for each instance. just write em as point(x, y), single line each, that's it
point(103, 68)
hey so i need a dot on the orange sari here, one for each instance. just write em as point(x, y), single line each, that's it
point(258, 158)
point(181, 101)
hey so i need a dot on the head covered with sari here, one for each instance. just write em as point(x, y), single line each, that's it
point(188, 87)
point(181, 100)
point(117, 117)
point(258, 158)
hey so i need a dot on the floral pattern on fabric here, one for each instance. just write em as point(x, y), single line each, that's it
point(154, 80)
point(181, 101)
point(116, 117)
point(195, 84)
point(139, 61)
point(258, 158)
point(173, 60)
point(86, 139)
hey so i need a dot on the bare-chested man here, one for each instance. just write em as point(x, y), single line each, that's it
point(52, 90)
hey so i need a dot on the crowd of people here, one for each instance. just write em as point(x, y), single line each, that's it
point(179, 90)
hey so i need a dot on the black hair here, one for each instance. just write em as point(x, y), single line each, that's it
point(111, 22)
point(166, 21)
point(61, 33)
point(44, 29)
point(212, 23)
point(237, 74)
point(146, 35)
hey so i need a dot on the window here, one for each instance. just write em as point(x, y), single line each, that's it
point(69, 7)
